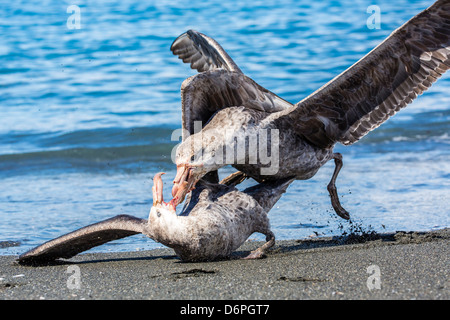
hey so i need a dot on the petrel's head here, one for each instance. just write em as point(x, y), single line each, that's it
point(221, 141)
point(196, 156)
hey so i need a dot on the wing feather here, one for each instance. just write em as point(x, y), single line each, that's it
point(206, 93)
point(85, 238)
point(202, 52)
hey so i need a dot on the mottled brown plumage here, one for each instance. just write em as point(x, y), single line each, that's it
point(357, 101)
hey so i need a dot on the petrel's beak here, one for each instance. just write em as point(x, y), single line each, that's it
point(158, 200)
point(184, 183)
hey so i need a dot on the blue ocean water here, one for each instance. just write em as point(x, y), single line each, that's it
point(86, 115)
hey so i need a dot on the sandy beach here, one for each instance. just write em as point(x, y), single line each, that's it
point(401, 265)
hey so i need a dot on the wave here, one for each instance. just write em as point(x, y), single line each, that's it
point(107, 149)
point(27, 142)
point(127, 158)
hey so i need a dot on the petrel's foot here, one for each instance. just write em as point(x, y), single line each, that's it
point(261, 251)
point(256, 254)
point(341, 212)
point(234, 179)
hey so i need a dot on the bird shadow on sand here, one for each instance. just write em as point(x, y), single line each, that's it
point(94, 260)
point(100, 259)
point(367, 238)
point(281, 248)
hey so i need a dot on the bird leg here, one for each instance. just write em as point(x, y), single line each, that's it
point(341, 212)
point(260, 252)
point(234, 178)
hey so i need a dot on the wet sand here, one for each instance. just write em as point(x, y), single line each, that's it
point(402, 265)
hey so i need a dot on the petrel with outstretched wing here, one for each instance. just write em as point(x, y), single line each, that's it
point(344, 110)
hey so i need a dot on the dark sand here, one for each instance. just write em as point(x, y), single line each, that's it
point(412, 265)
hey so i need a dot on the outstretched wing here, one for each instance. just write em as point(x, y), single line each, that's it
point(85, 238)
point(202, 52)
point(388, 78)
point(206, 93)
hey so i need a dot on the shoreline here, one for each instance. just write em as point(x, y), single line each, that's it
point(400, 265)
